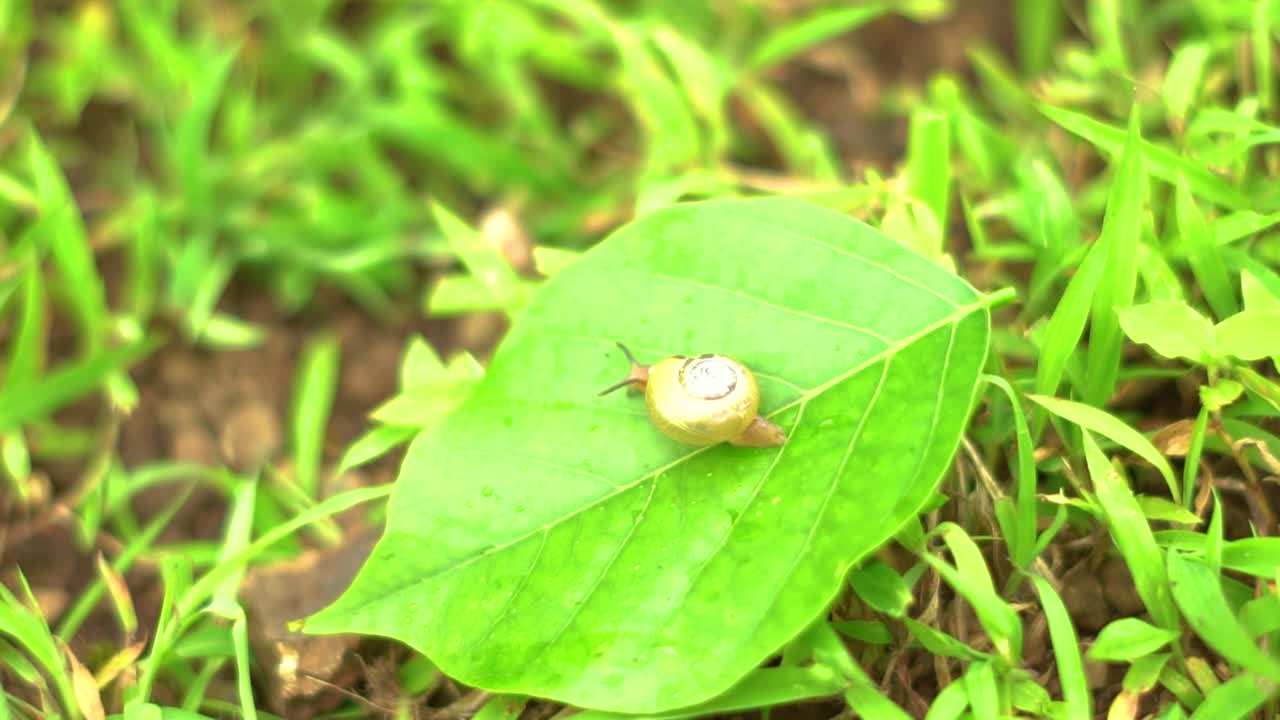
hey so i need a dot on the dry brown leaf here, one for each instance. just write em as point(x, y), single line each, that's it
point(119, 662)
point(1174, 439)
point(1265, 452)
point(84, 687)
point(1124, 707)
point(120, 596)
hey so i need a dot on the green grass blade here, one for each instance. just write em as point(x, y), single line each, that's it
point(27, 349)
point(1236, 698)
point(1132, 536)
point(1066, 650)
point(1160, 161)
point(1121, 232)
point(1066, 325)
point(64, 385)
point(88, 599)
point(971, 579)
point(980, 686)
point(1197, 590)
point(1191, 465)
point(61, 229)
point(1263, 45)
point(929, 161)
point(314, 390)
point(1202, 253)
point(1038, 26)
point(1183, 78)
point(821, 25)
point(1106, 25)
point(1104, 423)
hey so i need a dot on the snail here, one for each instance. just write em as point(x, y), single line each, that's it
point(702, 400)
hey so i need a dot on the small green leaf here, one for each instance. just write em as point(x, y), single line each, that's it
point(374, 444)
point(980, 686)
point(881, 588)
point(950, 703)
point(1129, 639)
point(1172, 329)
point(1220, 394)
point(483, 261)
point(1145, 671)
point(1158, 508)
point(1256, 295)
point(972, 580)
point(940, 643)
point(1248, 335)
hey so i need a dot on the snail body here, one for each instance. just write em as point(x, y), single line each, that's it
point(702, 400)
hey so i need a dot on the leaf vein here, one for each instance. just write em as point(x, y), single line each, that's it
point(777, 306)
point(951, 318)
point(595, 585)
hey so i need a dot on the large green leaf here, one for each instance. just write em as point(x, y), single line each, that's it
point(549, 542)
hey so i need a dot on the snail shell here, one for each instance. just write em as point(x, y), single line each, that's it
point(703, 400)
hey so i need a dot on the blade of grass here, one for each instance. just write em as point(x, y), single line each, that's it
point(1121, 231)
point(1160, 162)
point(1182, 80)
point(61, 230)
point(1038, 26)
point(1022, 544)
point(1191, 464)
point(971, 579)
point(1235, 698)
point(1108, 425)
point(821, 25)
point(1132, 535)
point(1202, 253)
point(1263, 46)
point(88, 599)
point(984, 695)
point(929, 161)
point(1106, 26)
point(314, 390)
point(66, 384)
point(1197, 591)
point(1066, 650)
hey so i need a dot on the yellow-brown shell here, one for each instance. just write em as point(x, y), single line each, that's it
point(701, 400)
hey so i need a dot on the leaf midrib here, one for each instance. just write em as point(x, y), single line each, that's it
point(953, 317)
